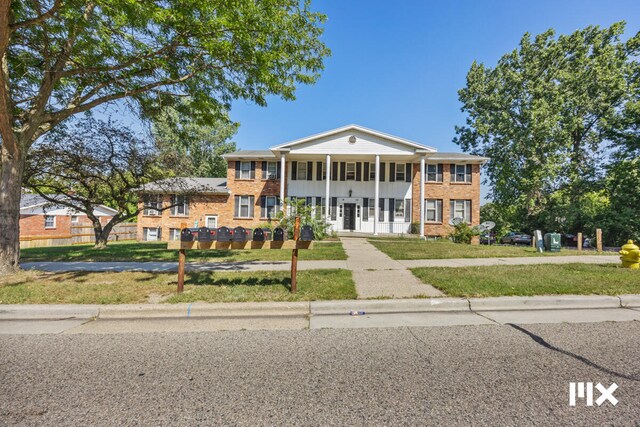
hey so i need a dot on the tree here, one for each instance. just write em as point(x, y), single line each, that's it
point(99, 163)
point(542, 115)
point(200, 146)
point(59, 58)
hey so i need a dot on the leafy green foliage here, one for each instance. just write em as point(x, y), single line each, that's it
point(462, 233)
point(298, 207)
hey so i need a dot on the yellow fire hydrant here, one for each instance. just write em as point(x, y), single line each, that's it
point(630, 255)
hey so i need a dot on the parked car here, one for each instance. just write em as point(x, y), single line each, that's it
point(571, 240)
point(516, 238)
point(488, 239)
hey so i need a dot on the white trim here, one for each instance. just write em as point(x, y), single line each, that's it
point(206, 220)
point(50, 227)
point(354, 127)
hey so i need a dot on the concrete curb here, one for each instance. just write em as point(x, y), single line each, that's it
point(559, 302)
point(313, 308)
point(319, 308)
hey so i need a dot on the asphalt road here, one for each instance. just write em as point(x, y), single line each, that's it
point(480, 375)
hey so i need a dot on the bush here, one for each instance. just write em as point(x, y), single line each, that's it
point(307, 217)
point(462, 233)
point(414, 228)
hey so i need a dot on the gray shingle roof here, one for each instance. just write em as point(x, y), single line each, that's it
point(28, 200)
point(456, 156)
point(187, 185)
point(250, 154)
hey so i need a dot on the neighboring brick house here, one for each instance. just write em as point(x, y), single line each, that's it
point(41, 218)
point(371, 180)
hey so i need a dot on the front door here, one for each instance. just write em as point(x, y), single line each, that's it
point(349, 216)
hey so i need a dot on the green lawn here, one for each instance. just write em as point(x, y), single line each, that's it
point(443, 249)
point(31, 287)
point(526, 280)
point(157, 251)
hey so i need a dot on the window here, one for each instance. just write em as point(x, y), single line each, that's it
point(433, 210)
point(244, 207)
point(269, 209)
point(320, 208)
point(211, 221)
point(271, 172)
point(245, 170)
point(398, 209)
point(151, 234)
point(302, 171)
point(372, 171)
point(461, 209)
point(49, 221)
point(372, 208)
point(174, 234)
point(400, 171)
point(434, 173)
point(460, 173)
point(351, 171)
point(180, 205)
point(75, 219)
point(381, 210)
point(152, 204)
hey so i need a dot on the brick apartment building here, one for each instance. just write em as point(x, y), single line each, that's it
point(370, 181)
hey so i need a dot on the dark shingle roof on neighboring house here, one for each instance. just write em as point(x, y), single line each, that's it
point(250, 154)
point(28, 200)
point(187, 185)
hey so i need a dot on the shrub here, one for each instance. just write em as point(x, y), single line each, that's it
point(414, 228)
point(462, 233)
point(307, 217)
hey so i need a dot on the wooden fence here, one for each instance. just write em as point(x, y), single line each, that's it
point(79, 234)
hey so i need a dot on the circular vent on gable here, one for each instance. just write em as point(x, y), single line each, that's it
point(352, 139)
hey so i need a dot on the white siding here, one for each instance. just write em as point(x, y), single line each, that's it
point(339, 144)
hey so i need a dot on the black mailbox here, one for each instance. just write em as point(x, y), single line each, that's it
point(186, 235)
point(279, 234)
point(241, 234)
point(258, 235)
point(306, 233)
point(224, 234)
point(206, 234)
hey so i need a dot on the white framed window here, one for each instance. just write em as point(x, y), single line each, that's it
point(302, 171)
point(152, 204)
point(434, 173)
point(398, 209)
point(211, 221)
point(372, 171)
point(151, 234)
point(174, 234)
point(245, 170)
point(75, 219)
point(244, 207)
point(351, 171)
point(461, 209)
point(272, 171)
point(433, 210)
point(372, 209)
point(460, 173)
point(269, 210)
point(180, 205)
point(400, 172)
point(49, 221)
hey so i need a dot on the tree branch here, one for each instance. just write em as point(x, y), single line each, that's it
point(38, 19)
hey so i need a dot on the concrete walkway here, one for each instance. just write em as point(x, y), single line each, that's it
point(376, 275)
point(474, 262)
point(159, 267)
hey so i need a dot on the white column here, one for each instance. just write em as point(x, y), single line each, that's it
point(377, 196)
point(326, 190)
point(422, 167)
point(283, 178)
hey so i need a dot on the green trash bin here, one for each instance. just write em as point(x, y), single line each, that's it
point(552, 242)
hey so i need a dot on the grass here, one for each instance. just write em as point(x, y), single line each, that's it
point(527, 280)
point(31, 287)
point(157, 251)
point(443, 249)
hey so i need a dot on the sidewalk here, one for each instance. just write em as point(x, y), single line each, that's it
point(475, 262)
point(425, 312)
point(376, 275)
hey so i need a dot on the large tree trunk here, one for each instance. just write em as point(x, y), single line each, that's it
point(10, 193)
point(102, 233)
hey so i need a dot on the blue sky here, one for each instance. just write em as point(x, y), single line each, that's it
point(396, 66)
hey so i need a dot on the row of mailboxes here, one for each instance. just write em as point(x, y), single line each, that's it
point(241, 234)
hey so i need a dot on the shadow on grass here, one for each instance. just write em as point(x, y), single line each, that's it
point(208, 279)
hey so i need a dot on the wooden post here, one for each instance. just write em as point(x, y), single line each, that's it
point(579, 242)
point(294, 257)
point(182, 256)
point(599, 239)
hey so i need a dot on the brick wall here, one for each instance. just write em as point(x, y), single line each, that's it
point(220, 205)
point(33, 225)
point(446, 191)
